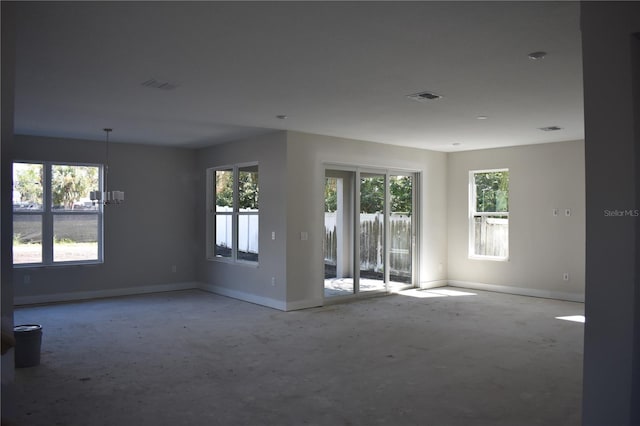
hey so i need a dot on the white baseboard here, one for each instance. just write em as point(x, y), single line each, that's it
point(433, 284)
point(304, 304)
point(273, 303)
point(98, 294)
point(247, 297)
point(522, 291)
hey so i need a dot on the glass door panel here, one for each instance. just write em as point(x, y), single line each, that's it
point(372, 232)
point(401, 231)
point(338, 239)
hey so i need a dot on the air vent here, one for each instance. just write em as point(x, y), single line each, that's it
point(550, 128)
point(425, 96)
point(155, 84)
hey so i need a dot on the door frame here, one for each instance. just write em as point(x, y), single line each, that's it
point(387, 172)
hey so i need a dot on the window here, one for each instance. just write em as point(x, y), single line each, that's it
point(233, 225)
point(489, 214)
point(54, 221)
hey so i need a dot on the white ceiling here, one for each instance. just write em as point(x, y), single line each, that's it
point(334, 68)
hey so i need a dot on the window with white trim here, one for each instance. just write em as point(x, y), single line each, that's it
point(489, 214)
point(234, 215)
point(54, 220)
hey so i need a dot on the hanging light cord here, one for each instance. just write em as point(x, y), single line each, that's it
point(106, 166)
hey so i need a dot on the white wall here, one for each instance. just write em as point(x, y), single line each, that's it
point(541, 247)
point(163, 221)
point(143, 238)
point(307, 155)
point(248, 282)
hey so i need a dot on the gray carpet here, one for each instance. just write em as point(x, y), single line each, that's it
point(194, 358)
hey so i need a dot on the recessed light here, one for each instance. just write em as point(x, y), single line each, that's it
point(537, 55)
point(481, 117)
point(281, 117)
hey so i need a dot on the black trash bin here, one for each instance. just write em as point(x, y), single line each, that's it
point(28, 341)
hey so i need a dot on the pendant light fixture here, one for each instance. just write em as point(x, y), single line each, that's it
point(108, 196)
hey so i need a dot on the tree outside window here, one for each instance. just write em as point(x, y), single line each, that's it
point(54, 220)
point(234, 213)
point(489, 214)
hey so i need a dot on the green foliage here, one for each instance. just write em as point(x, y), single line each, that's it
point(224, 188)
point(28, 182)
point(492, 191)
point(401, 194)
point(372, 194)
point(70, 183)
point(248, 188)
point(330, 194)
point(64, 240)
point(248, 192)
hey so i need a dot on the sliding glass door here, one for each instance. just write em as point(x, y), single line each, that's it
point(368, 217)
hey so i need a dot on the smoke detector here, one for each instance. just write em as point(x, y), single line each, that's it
point(425, 96)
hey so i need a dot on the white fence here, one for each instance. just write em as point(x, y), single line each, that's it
point(248, 227)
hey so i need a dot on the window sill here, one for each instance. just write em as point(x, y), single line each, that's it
point(491, 258)
point(56, 265)
point(232, 262)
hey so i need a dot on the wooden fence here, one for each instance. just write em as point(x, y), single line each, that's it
point(372, 242)
point(491, 236)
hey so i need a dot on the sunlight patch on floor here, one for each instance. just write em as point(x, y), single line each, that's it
point(434, 293)
point(574, 318)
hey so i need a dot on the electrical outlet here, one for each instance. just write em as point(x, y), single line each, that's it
point(273, 235)
point(273, 281)
point(174, 268)
point(567, 212)
point(26, 279)
point(565, 276)
point(304, 236)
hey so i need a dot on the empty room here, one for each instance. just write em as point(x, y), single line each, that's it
point(322, 213)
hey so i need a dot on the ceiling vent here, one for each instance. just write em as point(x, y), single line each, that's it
point(425, 96)
point(550, 128)
point(155, 84)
